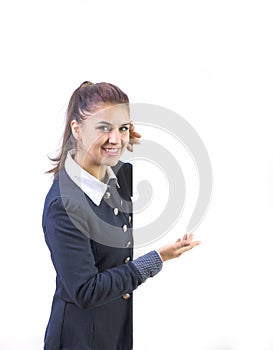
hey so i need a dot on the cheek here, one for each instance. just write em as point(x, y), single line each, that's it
point(92, 141)
point(126, 138)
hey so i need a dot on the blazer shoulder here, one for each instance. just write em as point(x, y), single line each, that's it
point(61, 188)
point(124, 174)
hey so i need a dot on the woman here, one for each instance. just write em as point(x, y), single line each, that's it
point(87, 222)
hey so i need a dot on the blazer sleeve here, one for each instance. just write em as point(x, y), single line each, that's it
point(74, 262)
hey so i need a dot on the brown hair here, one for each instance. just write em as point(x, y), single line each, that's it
point(86, 99)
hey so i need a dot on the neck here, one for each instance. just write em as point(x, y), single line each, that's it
point(98, 172)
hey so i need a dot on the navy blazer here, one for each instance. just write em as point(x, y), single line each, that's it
point(91, 249)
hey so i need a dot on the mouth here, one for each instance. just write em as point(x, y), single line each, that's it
point(111, 151)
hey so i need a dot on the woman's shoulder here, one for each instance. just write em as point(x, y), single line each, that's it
point(63, 195)
point(61, 187)
point(124, 174)
point(122, 168)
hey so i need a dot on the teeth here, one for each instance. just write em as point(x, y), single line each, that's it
point(111, 150)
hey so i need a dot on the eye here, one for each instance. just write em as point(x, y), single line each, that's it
point(124, 128)
point(104, 128)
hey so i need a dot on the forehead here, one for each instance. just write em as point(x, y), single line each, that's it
point(113, 114)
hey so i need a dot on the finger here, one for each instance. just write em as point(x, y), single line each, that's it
point(132, 129)
point(181, 243)
point(192, 245)
point(136, 134)
point(130, 147)
point(134, 141)
point(133, 133)
point(186, 241)
point(185, 237)
point(188, 247)
point(190, 237)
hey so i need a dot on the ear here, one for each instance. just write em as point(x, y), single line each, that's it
point(76, 129)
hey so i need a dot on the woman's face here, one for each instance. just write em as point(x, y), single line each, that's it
point(102, 137)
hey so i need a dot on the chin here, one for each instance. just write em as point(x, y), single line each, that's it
point(111, 162)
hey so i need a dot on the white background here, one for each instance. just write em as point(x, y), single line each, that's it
point(210, 61)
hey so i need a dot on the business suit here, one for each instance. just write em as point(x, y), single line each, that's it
point(91, 250)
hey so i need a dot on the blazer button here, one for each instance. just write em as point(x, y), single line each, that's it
point(128, 244)
point(127, 260)
point(124, 227)
point(126, 296)
point(107, 195)
point(116, 211)
point(129, 218)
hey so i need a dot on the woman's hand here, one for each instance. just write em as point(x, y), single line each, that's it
point(177, 248)
point(134, 137)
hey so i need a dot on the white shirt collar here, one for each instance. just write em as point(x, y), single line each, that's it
point(90, 185)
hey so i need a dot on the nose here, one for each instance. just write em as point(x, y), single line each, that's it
point(114, 136)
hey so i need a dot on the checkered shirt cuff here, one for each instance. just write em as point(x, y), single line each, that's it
point(149, 264)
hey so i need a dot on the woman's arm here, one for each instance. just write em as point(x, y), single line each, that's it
point(74, 262)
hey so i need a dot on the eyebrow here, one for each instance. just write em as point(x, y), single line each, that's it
point(107, 123)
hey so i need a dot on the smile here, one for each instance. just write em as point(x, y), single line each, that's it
point(111, 151)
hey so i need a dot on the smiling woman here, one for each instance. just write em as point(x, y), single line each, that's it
point(102, 138)
point(91, 111)
point(87, 223)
